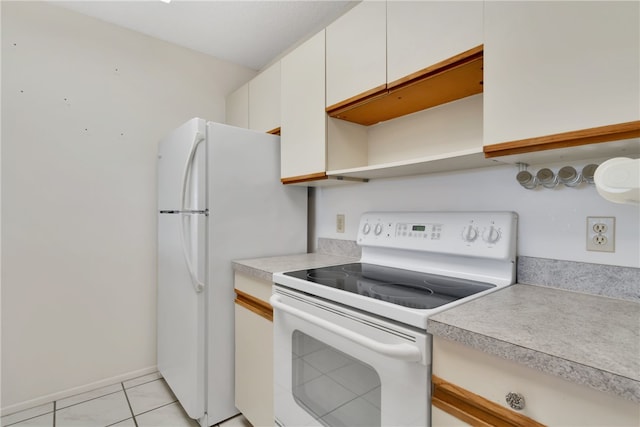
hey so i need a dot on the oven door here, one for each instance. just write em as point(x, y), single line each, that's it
point(339, 367)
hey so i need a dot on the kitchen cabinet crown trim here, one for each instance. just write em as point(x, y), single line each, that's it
point(254, 304)
point(448, 80)
point(474, 409)
point(575, 138)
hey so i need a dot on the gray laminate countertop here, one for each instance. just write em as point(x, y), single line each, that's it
point(263, 268)
point(587, 339)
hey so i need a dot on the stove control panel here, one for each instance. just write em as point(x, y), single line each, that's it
point(475, 234)
point(419, 231)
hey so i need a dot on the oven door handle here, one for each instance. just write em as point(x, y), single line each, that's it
point(402, 351)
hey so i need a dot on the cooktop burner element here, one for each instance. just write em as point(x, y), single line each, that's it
point(415, 264)
point(403, 287)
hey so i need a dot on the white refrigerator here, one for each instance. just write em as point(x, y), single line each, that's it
point(219, 199)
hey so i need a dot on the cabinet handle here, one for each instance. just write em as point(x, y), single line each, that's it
point(515, 401)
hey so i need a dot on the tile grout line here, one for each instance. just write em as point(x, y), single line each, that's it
point(55, 402)
point(146, 382)
point(128, 403)
point(161, 406)
point(30, 418)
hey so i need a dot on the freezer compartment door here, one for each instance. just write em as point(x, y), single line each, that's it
point(181, 309)
point(182, 173)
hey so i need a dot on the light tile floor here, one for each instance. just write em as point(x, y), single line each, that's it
point(146, 401)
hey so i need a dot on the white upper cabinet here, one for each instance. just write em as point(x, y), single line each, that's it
point(356, 52)
point(303, 133)
point(237, 107)
point(423, 33)
point(264, 100)
point(556, 67)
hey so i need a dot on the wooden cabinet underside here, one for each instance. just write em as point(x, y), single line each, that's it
point(454, 78)
point(576, 138)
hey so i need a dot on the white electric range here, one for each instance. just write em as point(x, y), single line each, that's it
point(351, 346)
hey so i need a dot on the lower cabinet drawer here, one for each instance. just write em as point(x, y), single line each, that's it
point(548, 399)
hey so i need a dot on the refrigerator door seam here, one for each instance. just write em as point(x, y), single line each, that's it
point(187, 212)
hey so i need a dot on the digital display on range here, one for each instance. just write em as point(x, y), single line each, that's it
point(418, 228)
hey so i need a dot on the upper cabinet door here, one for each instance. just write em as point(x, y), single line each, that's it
point(303, 134)
point(264, 100)
point(356, 52)
point(237, 107)
point(423, 33)
point(556, 67)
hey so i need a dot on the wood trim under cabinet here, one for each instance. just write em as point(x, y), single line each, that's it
point(275, 131)
point(566, 139)
point(474, 409)
point(305, 178)
point(254, 304)
point(453, 78)
point(336, 109)
point(471, 55)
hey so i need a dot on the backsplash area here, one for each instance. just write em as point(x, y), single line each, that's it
point(552, 223)
point(339, 247)
point(596, 279)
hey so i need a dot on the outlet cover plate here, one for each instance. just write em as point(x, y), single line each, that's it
point(601, 232)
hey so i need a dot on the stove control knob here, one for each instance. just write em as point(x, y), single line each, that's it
point(491, 234)
point(378, 229)
point(469, 233)
point(366, 229)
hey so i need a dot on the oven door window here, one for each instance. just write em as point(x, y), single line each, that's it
point(336, 389)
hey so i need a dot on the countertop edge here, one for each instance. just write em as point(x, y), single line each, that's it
point(265, 268)
point(575, 372)
point(251, 271)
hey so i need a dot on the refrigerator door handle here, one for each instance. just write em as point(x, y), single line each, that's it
point(187, 167)
point(197, 284)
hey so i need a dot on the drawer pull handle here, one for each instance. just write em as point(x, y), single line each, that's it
point(515, 401)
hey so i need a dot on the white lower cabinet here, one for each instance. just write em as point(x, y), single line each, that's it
point(254, 351)
point(549, 400)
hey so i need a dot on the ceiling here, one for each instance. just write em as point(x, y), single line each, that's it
point(246, 32)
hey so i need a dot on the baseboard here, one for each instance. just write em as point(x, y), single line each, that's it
point(75, 390)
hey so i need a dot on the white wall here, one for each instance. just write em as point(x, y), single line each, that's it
point(83, 105)
point(552, 222)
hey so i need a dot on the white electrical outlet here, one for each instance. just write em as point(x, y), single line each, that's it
point(601, 232)
point(340, 223)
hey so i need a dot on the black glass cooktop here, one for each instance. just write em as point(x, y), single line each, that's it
point(403, 287)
